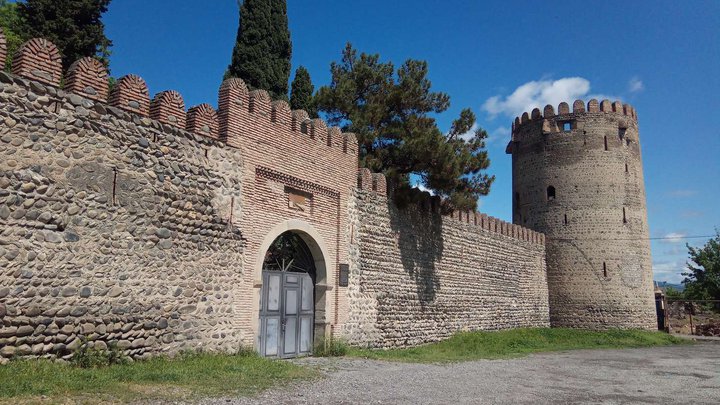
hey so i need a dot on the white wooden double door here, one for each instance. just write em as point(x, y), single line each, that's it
point(286, 314)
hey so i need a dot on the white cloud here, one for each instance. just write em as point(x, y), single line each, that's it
point(669, 271)
point(421, 187)
point(674, 237)
point(635, 85)
point(691, 214)
point(538, 93)
point(470, 134)
point(500, 134)
point(682, 193)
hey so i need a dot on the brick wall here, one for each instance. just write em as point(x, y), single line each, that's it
point(286, 154)
point(418, 277)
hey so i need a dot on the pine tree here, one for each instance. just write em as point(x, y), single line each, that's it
point(391, 112)
point(73, 25)
point(302, 93)
point(261, 56)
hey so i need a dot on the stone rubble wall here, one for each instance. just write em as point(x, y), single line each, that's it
point(417, 276)
point(114, 229)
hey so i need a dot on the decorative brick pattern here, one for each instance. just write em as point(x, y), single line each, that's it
point(233, 100)
point(203, 120)
point(281, 112)
point(299, 118)
point(168, 107)
point(379, 184)
point(365, 180)
point(38, 59)
point(131, 94)
point(260, 103)
point(350, 143)
point(3, 48)
point(88, 77)
point(335, 137)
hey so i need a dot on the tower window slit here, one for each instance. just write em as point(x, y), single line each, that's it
point(626, 168)
point(606, 144)
point(565, 219)
point(550, 193)
point(624, 216)
point(604, 270)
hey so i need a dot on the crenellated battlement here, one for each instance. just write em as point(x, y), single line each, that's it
point(376, 183)
point(578, 107)
point(39, 60)
point(497, 225)
point(238, 107)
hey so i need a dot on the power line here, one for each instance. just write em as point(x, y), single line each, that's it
point(683, 237)
point(633, 239)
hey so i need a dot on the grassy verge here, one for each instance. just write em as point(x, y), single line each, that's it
point(518, 342)
point(186, 377)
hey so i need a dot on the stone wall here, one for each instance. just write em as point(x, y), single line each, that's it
point(418, 277)
point(114, 229)
point(578, 178)
point(135, 222)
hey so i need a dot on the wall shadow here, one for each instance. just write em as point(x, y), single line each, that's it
point(417, 228)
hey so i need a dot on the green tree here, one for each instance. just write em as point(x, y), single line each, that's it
point(75, 26)
point(392, 115)
point(12, 28)
point(702, 280)
point(301, 97)
point(673, 293)
point(261, 56)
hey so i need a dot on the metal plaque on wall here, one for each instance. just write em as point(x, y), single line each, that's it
point(344, 274)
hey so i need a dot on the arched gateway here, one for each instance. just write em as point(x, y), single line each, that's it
point(293, 265)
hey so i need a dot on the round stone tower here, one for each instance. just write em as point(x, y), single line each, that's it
point(577, 178)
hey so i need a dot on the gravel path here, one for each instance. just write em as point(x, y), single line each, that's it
point(675, 374)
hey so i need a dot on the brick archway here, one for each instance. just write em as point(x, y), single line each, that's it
point(323, 262)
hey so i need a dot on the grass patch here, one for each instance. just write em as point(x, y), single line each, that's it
point(518, 342)
point(187, 376)
point(331, 348)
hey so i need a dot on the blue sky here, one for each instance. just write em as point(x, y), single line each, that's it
point(498, 58)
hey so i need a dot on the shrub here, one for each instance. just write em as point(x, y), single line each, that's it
point(91, 357)
point(330, 348)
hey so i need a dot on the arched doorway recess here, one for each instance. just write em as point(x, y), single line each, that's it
point(292, 294)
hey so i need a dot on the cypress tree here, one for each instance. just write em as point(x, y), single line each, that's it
point(261, 56)
point(73, 25)
point(302, 92)
point(11, 26)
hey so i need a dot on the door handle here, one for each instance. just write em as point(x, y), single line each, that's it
point(282, 323)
